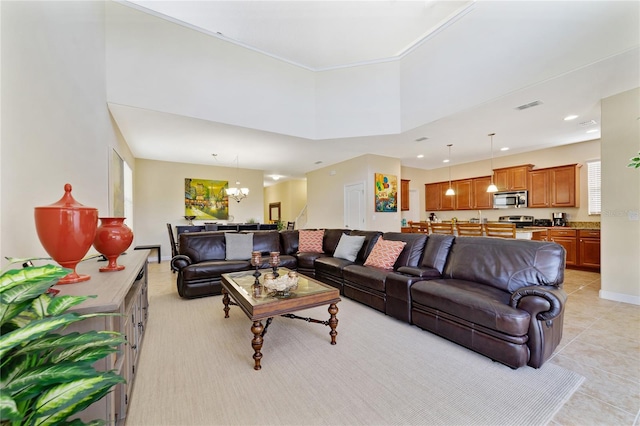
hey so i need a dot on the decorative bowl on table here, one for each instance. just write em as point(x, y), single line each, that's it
point(281, 286)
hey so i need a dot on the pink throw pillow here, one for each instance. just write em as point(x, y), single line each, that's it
point(385, 253)
point(310, 241)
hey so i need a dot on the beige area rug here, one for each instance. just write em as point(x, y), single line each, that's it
point(196, 368)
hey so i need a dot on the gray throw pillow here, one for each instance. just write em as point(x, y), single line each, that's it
point(349, 246)
point(239, 246)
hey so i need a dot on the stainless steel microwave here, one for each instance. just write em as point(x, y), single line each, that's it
point(510, 200)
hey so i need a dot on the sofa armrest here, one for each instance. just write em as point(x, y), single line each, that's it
point(543, 302)
point(180, 261)
point(419, 271)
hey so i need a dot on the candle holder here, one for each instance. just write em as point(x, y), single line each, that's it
point(274, 261)
point(256, 261)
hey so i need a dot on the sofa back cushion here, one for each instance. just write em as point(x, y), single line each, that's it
point(289, 242)
point(507, 264)
point(266, 241)
point(413, 250)
point(203, 246)
point(436, 251)
point(331, 240)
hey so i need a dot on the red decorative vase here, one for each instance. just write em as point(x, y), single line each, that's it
point(66, 230)
point(113, 237)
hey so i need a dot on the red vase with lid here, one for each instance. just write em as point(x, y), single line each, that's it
point(66, 230)
point(112, 238)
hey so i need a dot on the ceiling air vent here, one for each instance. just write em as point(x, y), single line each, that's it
point(529, 105)
point(588, 123)
point(423, 138)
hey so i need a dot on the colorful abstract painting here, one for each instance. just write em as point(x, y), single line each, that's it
point(206, 199)
point(386, 192)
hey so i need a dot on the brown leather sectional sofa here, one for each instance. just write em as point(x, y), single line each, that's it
point(500, 297)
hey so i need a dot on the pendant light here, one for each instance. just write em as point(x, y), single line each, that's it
point(492, 187)
point(237, 193)
point(450, 191)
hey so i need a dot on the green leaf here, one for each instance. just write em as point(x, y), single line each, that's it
point(84, 355)
point(9, 311)
point(8, 409)
point(60, 304)
point(50, 374)
point(35, 330)
point(59, 399)
point(32, 274)
point(89, 338)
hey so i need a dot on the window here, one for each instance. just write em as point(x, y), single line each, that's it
point(128, 195)
point(593, 184)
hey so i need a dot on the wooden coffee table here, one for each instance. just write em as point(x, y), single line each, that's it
point(259, 304)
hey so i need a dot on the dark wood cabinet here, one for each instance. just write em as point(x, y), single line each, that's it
point(540, 235)
point(512, 178)
point(554, 187)
point(567, 239)
point(404, 194)
point(589, 248)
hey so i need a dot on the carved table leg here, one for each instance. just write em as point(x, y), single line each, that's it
point(333, 322)
point(257, 329)
point(225, 301)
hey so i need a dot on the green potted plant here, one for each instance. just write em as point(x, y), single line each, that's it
point(634, 161)
point(47, 377)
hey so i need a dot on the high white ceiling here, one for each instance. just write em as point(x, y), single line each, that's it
point(568, 55)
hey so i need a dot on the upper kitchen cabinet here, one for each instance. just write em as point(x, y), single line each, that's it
point(435, 199)
point(481, 198)
point(512, 178)
point(404, 194)
point(555, 187)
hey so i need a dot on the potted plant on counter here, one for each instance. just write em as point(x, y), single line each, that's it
point(47, 377)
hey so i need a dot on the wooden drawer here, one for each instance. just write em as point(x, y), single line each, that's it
point(589, 233)
point(554, 232)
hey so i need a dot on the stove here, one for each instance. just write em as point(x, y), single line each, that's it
point(520, 221)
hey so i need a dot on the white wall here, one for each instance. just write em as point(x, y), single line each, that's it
point(159, 197)
point(325, 192)
point(55, 125)
point(620, 198)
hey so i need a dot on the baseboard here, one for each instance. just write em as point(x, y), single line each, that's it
point(619, 297)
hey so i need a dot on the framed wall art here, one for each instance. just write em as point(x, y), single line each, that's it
point(206, 199)
point(386, 192)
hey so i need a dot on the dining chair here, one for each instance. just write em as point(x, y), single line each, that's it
point(442, 228)
point(419, 227)
point(172, 241)
point(503, 230)
point(469, 229)
point(291, 226)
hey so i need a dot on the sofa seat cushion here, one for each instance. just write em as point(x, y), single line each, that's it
point(213, 269)
point(306, 260)
point(422, 272)
point(476, 303)
point(368, 277)
point(331, 266)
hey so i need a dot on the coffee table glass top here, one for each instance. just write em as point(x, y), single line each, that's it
point(243, 283)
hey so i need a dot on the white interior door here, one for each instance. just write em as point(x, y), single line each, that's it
point(354, 206)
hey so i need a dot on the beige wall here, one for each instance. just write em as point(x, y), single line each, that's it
point(325, 192)
point(159, 197)
point(292, 196)
point(56, 127)
point(620, 198)
point(567, 154)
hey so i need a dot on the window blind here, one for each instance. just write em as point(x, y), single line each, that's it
point(593, 184)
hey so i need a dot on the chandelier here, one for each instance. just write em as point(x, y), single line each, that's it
point(235, 192)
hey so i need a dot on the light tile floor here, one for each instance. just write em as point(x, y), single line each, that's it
point(601, 341)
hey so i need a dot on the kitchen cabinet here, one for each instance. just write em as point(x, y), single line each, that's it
point(589, 248)
point(482, 199)
point(554, 187)
point(566, 237)
point(404, 194)
point(540, 235)
point(464, 194)
point(435, 199)
point(512, 178)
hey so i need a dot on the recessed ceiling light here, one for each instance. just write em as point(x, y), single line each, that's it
point(504, 148)
point(420, 155)
point(445, 161)
point(592, 131)
point(570, 117)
